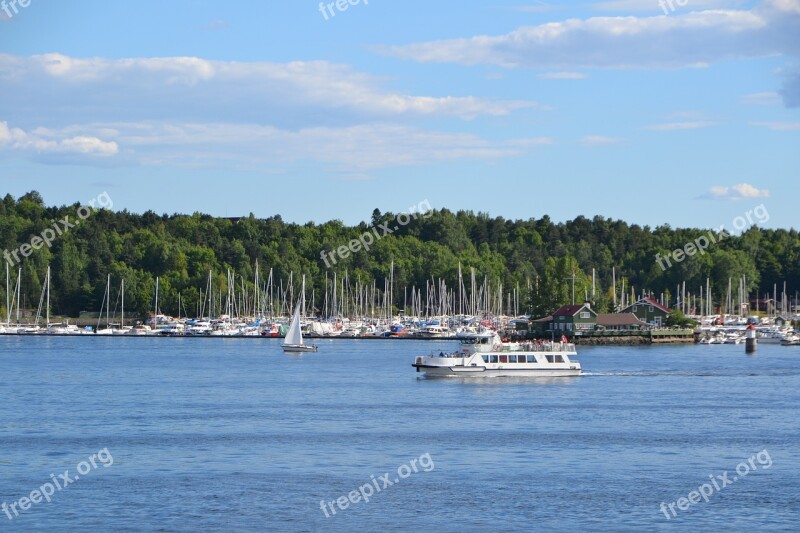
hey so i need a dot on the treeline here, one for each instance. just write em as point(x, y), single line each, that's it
point(540, 258)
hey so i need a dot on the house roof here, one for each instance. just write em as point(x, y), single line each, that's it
point(572, 310)
point(650, 301)
point(618, 319)
point(548, 318)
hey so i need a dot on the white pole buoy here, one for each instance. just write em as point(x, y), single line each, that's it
point(750, 340)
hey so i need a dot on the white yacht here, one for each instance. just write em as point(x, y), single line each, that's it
point(774, 335)
point(433, 331)
point(139, 329)
point(484, 355)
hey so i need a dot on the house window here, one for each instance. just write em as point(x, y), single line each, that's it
point(635, 308)
point(584, 314)
point(651, 308)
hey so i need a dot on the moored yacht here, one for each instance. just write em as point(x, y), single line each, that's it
point(484, 355)
point(433, 331)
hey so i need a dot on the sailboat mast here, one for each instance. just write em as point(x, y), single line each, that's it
point(19, 290)
point(108, 300)
point(155, 318)
point(48, 296)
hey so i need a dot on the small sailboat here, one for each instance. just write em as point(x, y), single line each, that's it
point(293, 342)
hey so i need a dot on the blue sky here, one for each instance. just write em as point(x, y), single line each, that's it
point(622, 108)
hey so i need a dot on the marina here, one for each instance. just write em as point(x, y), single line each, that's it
point(404, 267)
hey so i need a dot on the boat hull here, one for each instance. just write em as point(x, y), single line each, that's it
point(299, 348)
point(484, 372)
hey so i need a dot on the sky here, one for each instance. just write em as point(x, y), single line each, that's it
point(684, 113)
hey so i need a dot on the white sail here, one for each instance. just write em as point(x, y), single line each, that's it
point(294, 335)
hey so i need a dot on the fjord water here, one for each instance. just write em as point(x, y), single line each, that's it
point(233, 435)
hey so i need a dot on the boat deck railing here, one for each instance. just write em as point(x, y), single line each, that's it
point(558, 347)
point(537, 347)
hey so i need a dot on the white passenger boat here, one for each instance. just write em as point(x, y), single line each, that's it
point(484, 355)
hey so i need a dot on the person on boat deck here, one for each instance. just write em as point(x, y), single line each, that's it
point(441, 354)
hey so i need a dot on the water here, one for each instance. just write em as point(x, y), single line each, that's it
point(231, 434)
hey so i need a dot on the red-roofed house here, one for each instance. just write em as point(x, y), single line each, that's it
point(619, 321)
point(574, 318)
point(650, 311)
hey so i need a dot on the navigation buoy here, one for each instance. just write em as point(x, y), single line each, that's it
point(750, 341)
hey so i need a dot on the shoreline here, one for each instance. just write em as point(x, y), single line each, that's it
point(628, 340)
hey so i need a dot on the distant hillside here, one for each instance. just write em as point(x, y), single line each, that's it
point(536, 255)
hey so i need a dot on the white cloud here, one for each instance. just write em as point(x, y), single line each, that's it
point(674, 126)
point(352, 150)
point(791, 86)
point(737, 192)
point(537, 7)
point(217, 24)
point(563, 76)
point(599, 140)
point(787, 6)
point(764, 98)
point(682, 39)
point(778, 126)
point(191, 88)
point(43, 142)
point(652, 5)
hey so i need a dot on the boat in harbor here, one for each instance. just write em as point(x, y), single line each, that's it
point(485, 355)
point(433, 331)
point(293, 342)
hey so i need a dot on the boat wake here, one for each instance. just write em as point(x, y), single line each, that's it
point(695, 373)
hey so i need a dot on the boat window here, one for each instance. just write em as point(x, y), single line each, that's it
point(504, 359)
point(493, 358)
point(531, 358)
point(521, 359)
point(559, 359)
point(512, 358)
point(549, 358)
point(485, 358)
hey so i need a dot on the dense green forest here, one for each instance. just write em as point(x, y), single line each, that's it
point(537, 255)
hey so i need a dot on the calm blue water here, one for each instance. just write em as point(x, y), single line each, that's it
point(230, 434)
